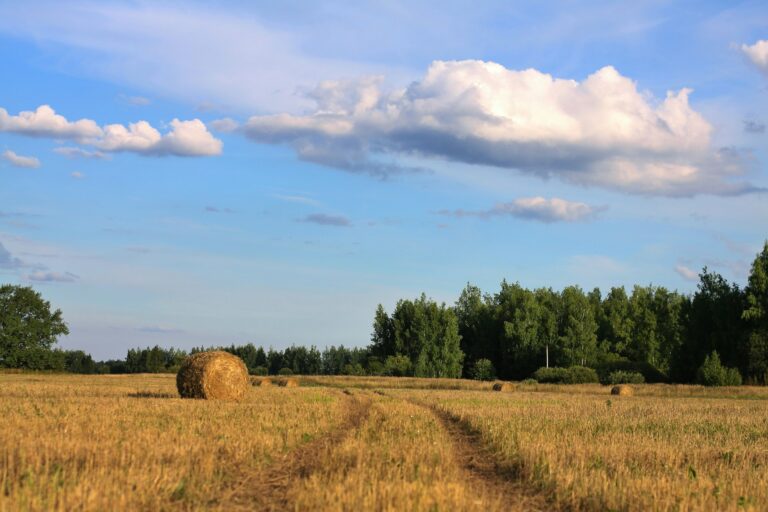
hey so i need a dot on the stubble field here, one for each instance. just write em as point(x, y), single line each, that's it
point(343, 443)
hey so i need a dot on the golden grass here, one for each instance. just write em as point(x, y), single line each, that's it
point(128, 442)
point(639, 453)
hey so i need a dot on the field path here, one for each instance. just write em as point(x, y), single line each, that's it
point(484, 468)
point(268, 488)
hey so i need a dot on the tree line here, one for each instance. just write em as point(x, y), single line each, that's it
point(662, 335)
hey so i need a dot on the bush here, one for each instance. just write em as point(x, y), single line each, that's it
point(483, 370)
point(285, 371)
point(713, 373)
point(622, 377)
point(353, 369)
point(650, 373)
point(572, 375)
point(397, 366)
point(259, 370)
point(529, 382)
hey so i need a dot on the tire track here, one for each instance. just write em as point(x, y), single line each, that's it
point(269, 488)
point(485, 470)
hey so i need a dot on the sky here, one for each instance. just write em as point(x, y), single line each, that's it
point(188, 173)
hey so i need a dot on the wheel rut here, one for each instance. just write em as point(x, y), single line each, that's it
point(497, 479)
point(269, 488)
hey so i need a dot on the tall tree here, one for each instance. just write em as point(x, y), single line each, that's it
point(28, 328)
point(579, 329)
point(756, 316)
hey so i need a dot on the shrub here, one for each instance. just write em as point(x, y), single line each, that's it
point(285, 371)
point(529, 382)
point(397, 366)
point(259, 370)
point(623, 377)
point(483, 370)
point(572, 375)
point(353, 369)
point(713, 373)
point(650, 373)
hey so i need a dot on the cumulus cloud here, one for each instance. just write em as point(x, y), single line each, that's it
point(26, 162)
point(327, 220)
point(686, 273)
point(185, 138)
point(534, 208)
point(601, 131)
point(41, 276)
point(757, 54)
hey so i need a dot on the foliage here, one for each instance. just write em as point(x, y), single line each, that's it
point(28, 329)
point(483, 370)
point(650, 373)
point(713, 373)
point(397, 366)
point(571, 375)
point(623, 377)
point(285, 371)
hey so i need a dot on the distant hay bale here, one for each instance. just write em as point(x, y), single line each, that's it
point(292, 383)
point(622, 390)
point(214, 375)
point(504, 386)
point(265, 382)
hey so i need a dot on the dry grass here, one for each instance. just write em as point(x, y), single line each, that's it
point(119, 442)
point(126, 443)
point(639, 453)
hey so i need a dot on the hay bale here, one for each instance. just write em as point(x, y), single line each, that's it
point(622, 390)
point(292, 383)
point(265, 382)
point(506, 387)
point(212, 375)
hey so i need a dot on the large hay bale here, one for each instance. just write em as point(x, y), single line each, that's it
point(292, 383)
point(212, 375)
point(265, 382)
point(504, 387)
point(622, 390)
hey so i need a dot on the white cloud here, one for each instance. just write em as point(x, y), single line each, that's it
point(686, 273)
point(185, 138)
point(7, 260)
point(27, 162)
point(327, 220)
point(45, 122)
point(758, 54)
point(73, 152)
point(602, 131)
point(78, 175)
point(51, 277)
point(534, 208)
point(138, 101)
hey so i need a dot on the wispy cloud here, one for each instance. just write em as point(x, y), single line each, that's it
point(77, 175)
point(25, 162)
point(42, 276)
point(7, 260)
point(327, 220)
point(686, 273)
point(216, 209)
point(754, 127)
point(534, 208)
point(138, 101)
point(295, 198)
point(225, 125)
point(75, 152)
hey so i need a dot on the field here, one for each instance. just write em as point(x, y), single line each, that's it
point(345, 443)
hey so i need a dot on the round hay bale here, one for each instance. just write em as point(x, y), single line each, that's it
point(265, 382)
point(506, 387)
point(292, 383)
point(622, 390)
point(214, 375)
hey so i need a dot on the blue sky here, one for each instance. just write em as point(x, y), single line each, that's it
point(188, 173)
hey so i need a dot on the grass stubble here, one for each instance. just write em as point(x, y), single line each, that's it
point(127, 443)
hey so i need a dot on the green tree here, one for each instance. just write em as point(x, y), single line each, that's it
point(755, 315)
point(578, 328)
point(28, 329)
